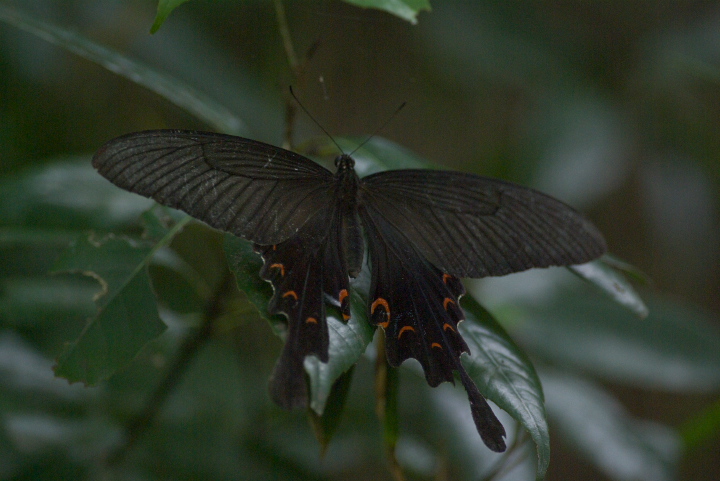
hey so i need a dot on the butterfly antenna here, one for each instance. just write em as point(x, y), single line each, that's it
point(313, 119)
point(385, 124)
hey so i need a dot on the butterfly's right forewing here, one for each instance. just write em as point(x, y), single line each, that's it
point(250, 189)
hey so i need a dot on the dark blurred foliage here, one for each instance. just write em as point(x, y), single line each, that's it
point(613, 107)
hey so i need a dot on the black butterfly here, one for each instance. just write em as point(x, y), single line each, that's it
point(423, 229)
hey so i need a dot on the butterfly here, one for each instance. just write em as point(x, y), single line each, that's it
point(423, 230)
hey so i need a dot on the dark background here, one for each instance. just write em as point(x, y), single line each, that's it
point(613, 107)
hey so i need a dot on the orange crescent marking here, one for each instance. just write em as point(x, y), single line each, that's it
point(380, 302)
point(384, 325)
point(447, 326)
point(279, 266)
point(343, 294)
point(291, 293)
point(274, 247)
point(310, 320)
point(447, 301)
point(435, 344)
point(406, 328)
point(446, 277)
point(346, 316)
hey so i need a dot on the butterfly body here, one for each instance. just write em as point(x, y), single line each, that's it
point(422, 230)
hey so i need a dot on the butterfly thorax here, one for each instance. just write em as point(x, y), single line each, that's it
point(347, 183)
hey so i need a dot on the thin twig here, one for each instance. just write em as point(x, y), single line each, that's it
point(297, 70)
point(285, 34)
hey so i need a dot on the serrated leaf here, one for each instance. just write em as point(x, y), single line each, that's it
point(170, 88)
point(405, 9)
point(246, 265)
point(127, 316)
point(595, 424)
point(613, 283)
point(505, 375)
point(165, 7)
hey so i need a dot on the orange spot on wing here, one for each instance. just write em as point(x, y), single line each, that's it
point(435, 344)
point(380, 302)
point(342, 295)
point(310, 320)
point(278, 266)
point(405, 328)
point(383, 303)
point(346, 316)
point(291, 294)
point(447, 326)
point(446, 277)
point(274, 247)
point(447, 301)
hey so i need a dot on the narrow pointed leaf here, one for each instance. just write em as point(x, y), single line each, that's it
point(595, 424)
point(405, 9)
point(677, 347)
point(170, 88)
point(165, 8)
point(613, 283)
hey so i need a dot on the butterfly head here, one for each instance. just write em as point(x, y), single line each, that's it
point(344, 162)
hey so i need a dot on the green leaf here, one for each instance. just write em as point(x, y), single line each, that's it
point(127, 312)
point(677, 347)
point(127, 317)
point(594, 423)
point(348, 341)
point(170, 88)
point(165, 7)
point(326, 424)
point(613, 283)
point(405, 9)
point(504, 375)
point(48, 197)
point(702, 428)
